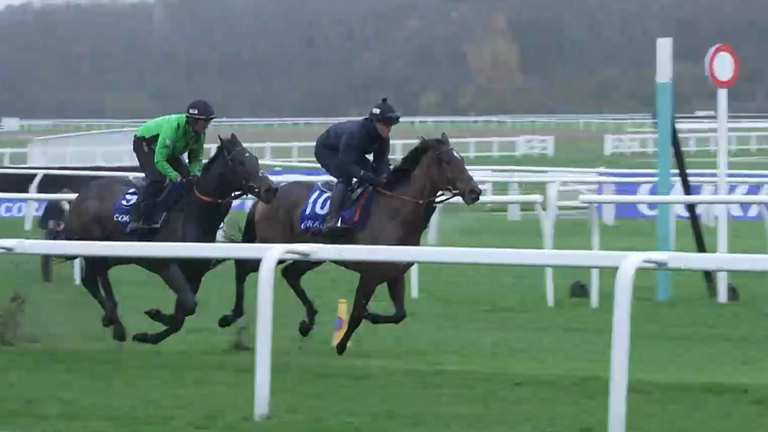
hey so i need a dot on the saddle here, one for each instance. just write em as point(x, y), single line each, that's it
point(166, 201)
point(355, 206)
point(353, 191)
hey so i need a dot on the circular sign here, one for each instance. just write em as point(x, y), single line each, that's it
point(722, 66)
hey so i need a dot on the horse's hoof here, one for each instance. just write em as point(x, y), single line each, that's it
point(155, 315)
point(227, 320)
point(118, 333)
point(341, 348)
point(304, 328)
point(733, 293)
point(143, 338)
point(106, 322)
point(190, 306)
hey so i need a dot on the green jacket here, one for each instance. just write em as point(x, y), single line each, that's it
point(173, 139)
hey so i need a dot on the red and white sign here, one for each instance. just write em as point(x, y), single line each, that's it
point(722, 66)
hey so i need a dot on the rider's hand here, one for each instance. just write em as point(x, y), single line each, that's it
point(379, 182)
point(367, 177)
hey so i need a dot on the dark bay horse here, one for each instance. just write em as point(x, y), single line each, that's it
point(399, 214)
point(195, 217)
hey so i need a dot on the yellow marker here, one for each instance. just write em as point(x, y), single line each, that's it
point(341, 322)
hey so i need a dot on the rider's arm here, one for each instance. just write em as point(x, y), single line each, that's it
point(381, 158)
point(348, 150)
point(162, 151)
point(195, 156)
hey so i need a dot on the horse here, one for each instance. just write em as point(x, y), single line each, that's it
point(396, 214)
point(101, 212)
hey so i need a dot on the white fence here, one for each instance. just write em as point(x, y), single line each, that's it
point(690, 142)
point(114, 147)
point(626, 262)
point(555, 204)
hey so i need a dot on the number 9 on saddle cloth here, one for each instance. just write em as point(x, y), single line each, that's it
point(125, 206)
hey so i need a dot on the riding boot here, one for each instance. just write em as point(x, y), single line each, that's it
point(136, 216)
point(143, 211)
point(332, 222)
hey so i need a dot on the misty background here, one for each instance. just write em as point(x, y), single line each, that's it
point(287, 58)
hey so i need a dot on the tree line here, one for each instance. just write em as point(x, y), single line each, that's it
point(264, 58)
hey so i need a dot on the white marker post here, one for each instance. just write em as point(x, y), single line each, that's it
point(722, 67)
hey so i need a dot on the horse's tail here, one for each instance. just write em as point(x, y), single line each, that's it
point(61, 234)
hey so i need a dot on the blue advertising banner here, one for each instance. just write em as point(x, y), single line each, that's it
point(650, 211)
point(11, 209)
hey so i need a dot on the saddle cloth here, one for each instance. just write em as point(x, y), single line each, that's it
point(318, 203)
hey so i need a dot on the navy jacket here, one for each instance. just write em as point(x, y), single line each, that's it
point(354, 139)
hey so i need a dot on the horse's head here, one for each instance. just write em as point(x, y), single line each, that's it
point(243, 168)
point(448, 170)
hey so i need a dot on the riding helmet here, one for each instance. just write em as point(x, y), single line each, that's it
point(201, 109)
point(385, 113)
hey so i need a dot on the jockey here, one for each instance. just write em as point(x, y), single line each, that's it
point(341, 150)
point(159, 145)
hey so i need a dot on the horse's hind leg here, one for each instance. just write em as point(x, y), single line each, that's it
point(118, 329)
point(176, 323)
point(167, 320)
point(396, 286)
point(292, 273)
point(90, 281)
point(173, 323)
point(363, 295)
point(243, 268)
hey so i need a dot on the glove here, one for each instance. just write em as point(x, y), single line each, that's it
point(367, 177)
point(379, 182)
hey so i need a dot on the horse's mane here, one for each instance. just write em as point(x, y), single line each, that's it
point(403, 171)
point(212, 160)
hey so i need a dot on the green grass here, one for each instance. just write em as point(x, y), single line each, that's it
point(480, 351)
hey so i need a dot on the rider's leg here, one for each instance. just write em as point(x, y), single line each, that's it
point(338, 196)
point(143, 211)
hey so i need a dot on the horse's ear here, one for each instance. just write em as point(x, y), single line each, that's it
point(221, 140)
point(233, 137)
point(444, 137)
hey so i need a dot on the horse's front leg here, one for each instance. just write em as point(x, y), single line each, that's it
point(396, 286)
point(243, 268)
point(292, 273)
point(363, 295)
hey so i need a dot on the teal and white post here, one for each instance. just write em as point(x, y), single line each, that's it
point(664, 113)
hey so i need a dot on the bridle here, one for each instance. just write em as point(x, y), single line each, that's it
point(240, 192)
point(435, 200)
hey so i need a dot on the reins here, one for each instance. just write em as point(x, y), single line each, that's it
point(435, 199)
